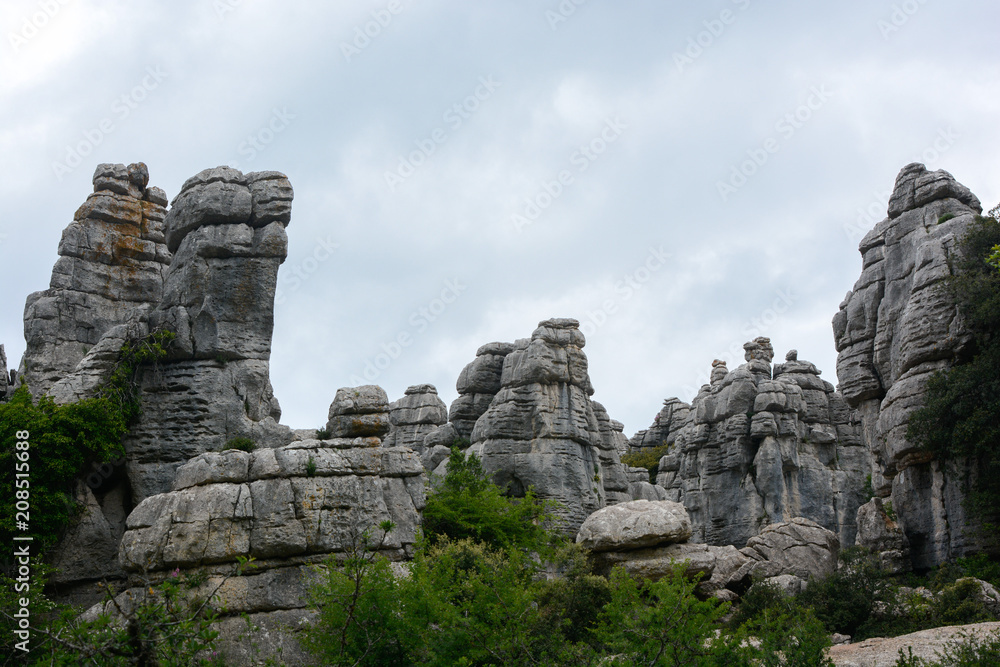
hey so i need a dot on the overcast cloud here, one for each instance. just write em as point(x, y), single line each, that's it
point(680, 177)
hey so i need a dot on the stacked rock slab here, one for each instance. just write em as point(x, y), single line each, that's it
point(477, 384)
point(227, 232)
point(672, 417)
point(649, 539)
point(358, 412)
point(112, 261)
point(894, 330)
point(289, 508)
point(761, 447)
point(541, 429)
point(416, 415)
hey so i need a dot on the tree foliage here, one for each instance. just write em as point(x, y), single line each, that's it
point(961, 416)
point(62, 440)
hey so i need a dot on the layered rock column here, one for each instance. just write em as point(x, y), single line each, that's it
point(541, 430)
point(416, 415)
point(759, 446)
point(894, 330)
point(477, 384)
point(112, 264)
point(227, 233)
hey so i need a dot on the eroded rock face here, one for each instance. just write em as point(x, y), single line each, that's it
point(799, 547)
point(5, 384)
point(415, 416)
point(227, 232)
point(289, 508)
point(359, 412)
point(477, 384)
point(761, 445)
point(542, 430)
point(894, 330)
point(112, 264)
point(881, 533)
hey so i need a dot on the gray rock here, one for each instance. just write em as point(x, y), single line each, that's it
point(634, 525)
point(359, 412)
point(721, 568)
point(112, 263)
point(893, 331)
point(442, 436)
point(759, 445)
point(418, 414)
point(477, 384)
point(799, 547)
point(541, 429)
point(882, 535)
point(434, 456)
point(6, 386)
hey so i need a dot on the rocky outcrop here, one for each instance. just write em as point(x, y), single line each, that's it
point(761, 445)
point(415, 416)
point(649, 540)
point(477, 384)
point(227, 232)
point(359, 412)
point(799, 548)
point(880, 533)
point(541, 429)
point(289, 508)
point(112, 264)
point(925, 644)
point(894, 330)
point(5, 384)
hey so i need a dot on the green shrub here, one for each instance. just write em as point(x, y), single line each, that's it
point(467, 505)
point(945, 218)
point(844, 601)
point(62, 439)
point(310, 467)
point(961, 415)
point(242, 444)
point(648, 458)
point(323, 433)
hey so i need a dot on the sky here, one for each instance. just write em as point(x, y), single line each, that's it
point(679, 177)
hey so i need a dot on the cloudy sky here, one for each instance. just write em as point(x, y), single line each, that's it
point(680, 177)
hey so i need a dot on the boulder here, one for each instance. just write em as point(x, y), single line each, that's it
point(359, 412)
point(881, 534)
point(799, 547)
point(634, 525)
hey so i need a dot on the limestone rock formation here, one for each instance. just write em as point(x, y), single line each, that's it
point(541, 429)
point(227, 232)
point(635, 524)
point(112, 262)
point(925, 644)
point(799, 547)
point(359, 412)
point(761, 445)
point(289, 508)
point(415, 416)
point(477, 384)
point(881, 534)
point(894, 330)
point(5, 384)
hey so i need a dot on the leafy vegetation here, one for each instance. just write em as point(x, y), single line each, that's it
point(961, 417)
point(62, 439)
point(240, 443)
point(648, 458)
point(478, 593)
